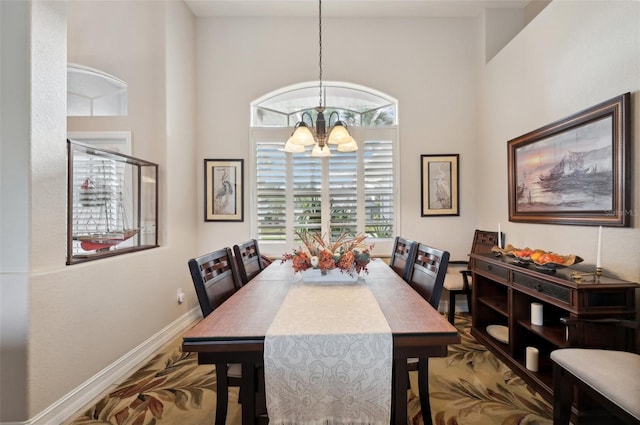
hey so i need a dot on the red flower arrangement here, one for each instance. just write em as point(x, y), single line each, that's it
point(349, 254)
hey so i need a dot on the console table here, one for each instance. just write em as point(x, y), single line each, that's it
point(503, 291)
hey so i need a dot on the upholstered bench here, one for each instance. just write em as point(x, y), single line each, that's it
point(611, 377)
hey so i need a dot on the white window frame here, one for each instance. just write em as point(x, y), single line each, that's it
point(382, 246)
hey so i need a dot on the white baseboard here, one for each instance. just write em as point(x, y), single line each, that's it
point(75, 400)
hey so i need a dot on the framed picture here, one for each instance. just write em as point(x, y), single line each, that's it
point(223, 190)
point(439, 185)
point(575, 170)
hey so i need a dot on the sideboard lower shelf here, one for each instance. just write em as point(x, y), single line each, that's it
point(502, 295)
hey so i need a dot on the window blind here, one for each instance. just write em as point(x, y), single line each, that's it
point(343, 196)
point(378, 188)
point(307, 187)
point(99, 184)
point(271, 205)
point(349, 192)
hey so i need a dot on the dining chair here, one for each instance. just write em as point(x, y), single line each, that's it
point(402, 256)
point(610, 377)
point(248, 259)
point(426, 277)
point(458, 279)
point(215, 279)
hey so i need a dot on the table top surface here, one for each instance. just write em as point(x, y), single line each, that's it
point(247, 315)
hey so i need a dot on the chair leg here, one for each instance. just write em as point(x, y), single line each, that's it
point(423, 389)
point(222, 393)
point(452, 306)
point(562, 395)
point(469, 300)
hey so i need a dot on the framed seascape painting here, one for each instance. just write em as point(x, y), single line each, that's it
point(439, 185)
point(223, 190)
point(575, 170)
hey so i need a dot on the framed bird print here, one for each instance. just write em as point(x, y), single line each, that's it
point(223, 190)
point(439, 185)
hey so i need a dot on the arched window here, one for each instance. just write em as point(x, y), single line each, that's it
point(354, 192)
point(91, 92)
point(357, 105)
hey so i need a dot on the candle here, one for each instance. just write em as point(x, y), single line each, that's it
point(499, 237)
point(599, 254)
point(531, 359)
point(536, 314)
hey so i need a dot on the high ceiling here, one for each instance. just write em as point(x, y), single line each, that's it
point(351, 8)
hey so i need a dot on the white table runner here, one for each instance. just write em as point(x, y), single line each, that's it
point(328, 357)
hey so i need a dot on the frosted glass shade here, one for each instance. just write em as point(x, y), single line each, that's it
point(293, 148)
point(324, 152)
point(339, 135)
point(351, 146)
point(302, 136)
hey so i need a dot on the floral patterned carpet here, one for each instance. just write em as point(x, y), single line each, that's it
point(470, 386)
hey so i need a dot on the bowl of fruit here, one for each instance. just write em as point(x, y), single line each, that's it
point(541, 258)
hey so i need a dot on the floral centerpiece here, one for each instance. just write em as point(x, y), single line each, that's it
point(348, 254)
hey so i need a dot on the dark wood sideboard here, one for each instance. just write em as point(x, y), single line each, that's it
point(503, 291)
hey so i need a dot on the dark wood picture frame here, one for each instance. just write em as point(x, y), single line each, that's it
point(574, 171)
point(439, 185)
point(224, 190)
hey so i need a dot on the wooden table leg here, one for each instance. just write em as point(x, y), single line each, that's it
point(399, 388)
point(222, 393)
point(248, 394)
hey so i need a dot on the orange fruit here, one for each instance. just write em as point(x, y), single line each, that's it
point(523, 253)
point(537, 254)
point(555, 258)
point(550, 258)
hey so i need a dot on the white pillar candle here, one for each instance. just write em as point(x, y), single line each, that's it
point(536, 314)
point(499, 237)
point(599, 253)
point(531, 359)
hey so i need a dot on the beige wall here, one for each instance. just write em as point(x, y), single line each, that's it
point(433, 76)
point(34, 170)
point(573, 55)
point(82, 320)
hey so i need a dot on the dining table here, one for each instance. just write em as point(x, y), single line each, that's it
point(236, 331)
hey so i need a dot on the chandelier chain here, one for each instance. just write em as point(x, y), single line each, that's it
point(320, 48)
point(323, 132)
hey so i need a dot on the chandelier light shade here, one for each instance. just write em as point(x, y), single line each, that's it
point(307, 135)
point(351, 146)
point(320, 152)
point(302, 136)
point(292, 147)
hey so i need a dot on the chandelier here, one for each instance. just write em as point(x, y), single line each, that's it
point(320, 135)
